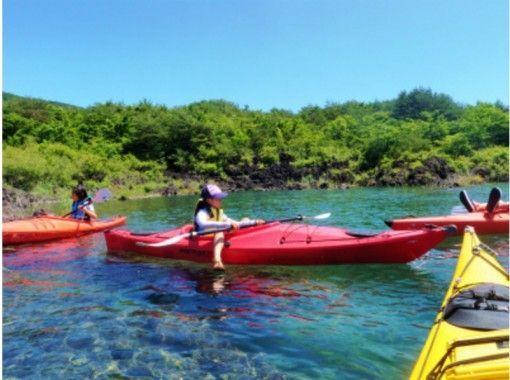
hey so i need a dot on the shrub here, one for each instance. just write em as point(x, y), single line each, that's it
point(491, 163)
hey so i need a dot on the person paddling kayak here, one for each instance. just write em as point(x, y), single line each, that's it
point(210, 215)
point(82, 207)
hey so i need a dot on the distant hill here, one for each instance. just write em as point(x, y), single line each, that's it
point(420, 138)
point(8, 97)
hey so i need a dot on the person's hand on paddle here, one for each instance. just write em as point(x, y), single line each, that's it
point(247, 221)
point(235, 226)
point(86, 209)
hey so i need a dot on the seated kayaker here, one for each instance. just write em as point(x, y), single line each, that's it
point(82, 207)
point(209, 215)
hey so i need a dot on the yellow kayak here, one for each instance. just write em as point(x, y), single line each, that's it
point(469, 338)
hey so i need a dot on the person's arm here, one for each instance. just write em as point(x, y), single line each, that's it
point(89, 210)
point(229, 220)
point(250, 222)
point(245, 221)
point(234, 223)
point(203, 222)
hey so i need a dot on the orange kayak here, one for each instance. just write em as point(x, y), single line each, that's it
point(483, 222)
point(501, 207)
point(53, 227)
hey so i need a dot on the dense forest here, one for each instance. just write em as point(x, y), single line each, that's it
point(419, 138)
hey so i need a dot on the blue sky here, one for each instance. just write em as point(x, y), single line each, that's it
point(262, 54)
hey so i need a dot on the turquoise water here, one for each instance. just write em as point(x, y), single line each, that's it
point(70, 310)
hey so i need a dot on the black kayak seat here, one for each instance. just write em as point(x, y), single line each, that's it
point(361, 234)
point(482, 307)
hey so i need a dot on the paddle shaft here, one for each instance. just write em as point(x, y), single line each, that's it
point(191, 234)
point(83, 205)
point(299, 217)
point(101, 196)
point(252, 224)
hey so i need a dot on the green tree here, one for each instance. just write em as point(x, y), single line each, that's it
point(484, 125)
point(412, 105)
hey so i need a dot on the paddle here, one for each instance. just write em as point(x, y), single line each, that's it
point(494, 197)
point(466, 201)
point(100, 196)
point(178, 238)
point(490, 207)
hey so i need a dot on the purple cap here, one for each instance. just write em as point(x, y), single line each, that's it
point(212, 191)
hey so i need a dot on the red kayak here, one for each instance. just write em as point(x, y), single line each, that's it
point(285, 244)
point(483, 222)
point(53, 227)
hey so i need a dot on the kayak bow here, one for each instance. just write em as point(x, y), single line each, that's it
point(469, 338)
point(483, 222)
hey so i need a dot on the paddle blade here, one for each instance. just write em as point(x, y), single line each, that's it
point(164, 243)
point(102, 195)
point(466, 201)
point(494, 197)
point(322, 216)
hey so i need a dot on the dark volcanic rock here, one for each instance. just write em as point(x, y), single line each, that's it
point(282, 175)
point(17, 204)
point(169, 191)
point(432, 172)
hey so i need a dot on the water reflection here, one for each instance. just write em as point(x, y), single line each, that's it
point(259, 297)
point(46, 255)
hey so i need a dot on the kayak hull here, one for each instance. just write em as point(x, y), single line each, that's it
point(51, 228)
point(285, 244)
point(501, 207)
point(472, 347)
point(483, 222)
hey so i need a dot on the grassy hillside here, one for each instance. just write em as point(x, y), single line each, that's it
point(418, 138)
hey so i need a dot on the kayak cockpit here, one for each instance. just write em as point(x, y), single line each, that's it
point(482, 307)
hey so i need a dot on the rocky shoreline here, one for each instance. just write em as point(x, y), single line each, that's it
point(433, 172)
point(18, 204)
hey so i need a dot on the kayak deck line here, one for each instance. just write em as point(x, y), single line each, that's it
point(477, 251)
point(434, 375)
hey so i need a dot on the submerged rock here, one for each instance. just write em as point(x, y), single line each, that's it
point(163, 298)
